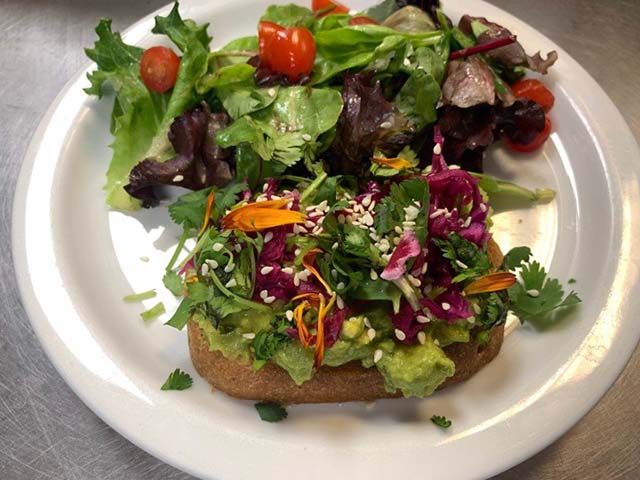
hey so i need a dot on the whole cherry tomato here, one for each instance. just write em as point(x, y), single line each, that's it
point(362, 20)
point(328, 7)
point(290, 51)
point(159, 68)
point(536, 143)
point(534, 90)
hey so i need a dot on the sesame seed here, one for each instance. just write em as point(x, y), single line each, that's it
point(471, 320)
point(408, 223)
point(371, 333)
point(341, 218)
point(476, 308)
point(311, 208)
point(249, 336)
point(217, 247)
point(398, 230)
point(317, 229)
point(309, 224)
point(422, 338)
point(414, 281)
point(467, 222)
point(483, 207)
point(296, 279)
point(533, 292)
point(461, 265)
point(229, 267)
point(422, 319)
point(264, 294)
point(204, 269)
point(266, 270)
point(367, 219)
point(436, 342)
point(372, 205)
point(334, 246)
point(275, 197)
point(349, 218)
point(339, 302)
point(447, 215)
point(287, 270)
point(306, 137)
point(411, 212)
point(406, 62)
point(424, 268)
point(373, 275)
point(289, 315)
point(323, 205)
point(454, 167)
point(366, 201)
point(386, 124)
point(374, 236)
point(269, 299)
point(231, 283)
point(237, 247)
point(299, 229)
point(212, 263)
point(340, 286)
point(367, 322)
point(297, 252)
point(265, 187)
point(334, 273)
point(400, 335)
point(271, 92)
point(396, 240)
point(178, 178)
point(377, 356)
point(144, 258)
point(386, 257)
point(437, 149)
point(445, 306)
point(268, 237)
point(436, 213)
point(304, 275)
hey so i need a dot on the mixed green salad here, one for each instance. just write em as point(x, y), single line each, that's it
point(327, 226)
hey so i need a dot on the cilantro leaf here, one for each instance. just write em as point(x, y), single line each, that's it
point(538, 295)
point(467, 259)
point(173, 282)
point(199, 292)
point(178, 380)
point(188, 210)
point(379, 289)
point(494, 311)
point(182, 314)
point(267, 342)
point(441, 421)
point(516, 257)
point(271, 412)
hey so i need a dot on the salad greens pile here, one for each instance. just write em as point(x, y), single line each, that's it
point(325, 226)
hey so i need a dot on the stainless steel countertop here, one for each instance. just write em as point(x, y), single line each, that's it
point(47, 432)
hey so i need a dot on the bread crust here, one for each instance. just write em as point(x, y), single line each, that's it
point(349, 382)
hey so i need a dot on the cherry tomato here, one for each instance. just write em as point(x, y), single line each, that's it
point(362, 20)
point(290, 51)
point(325, 5)
point(534, 90)
point(159, 68)
point(535, 143)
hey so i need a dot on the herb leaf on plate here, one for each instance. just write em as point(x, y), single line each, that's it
point(441, 421)
point(271, 412)
point(177, 380)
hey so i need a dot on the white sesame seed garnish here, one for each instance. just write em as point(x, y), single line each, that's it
point(367, 322)
point(297, 252)
point(414, 281)
point(366, 201)
point(217, 247)
point(422, 338)
point(377, 356)
point(204, 269)
point(483, 207)
point(231, 283)
point(476, 308)
point(271, 92)
point(461, 265)
point(373, 275)
point(311, 208)
point(178, 178)
point(299, 229)
point(287, 270)
point(408, 223)
point(424, 268)
point(212, 263)
point(249, 336)
point(471, 319)
point(268, 237)
point(275, 197)
point(264, 294)
point(445, 306)
point(296, 279)
point(411, 212)
point(436, 342)
point(533, 292)
point(454, 167)
point(334, 273)
point(436, 213)
point(400, 335)
point(341, 218)
point(339, 302)
point(306, 137)
point(266, 270)
point(269, 299)
point(371, 333)
point(396, 240)
point(340, 286)
point(237, 247)
point(349, 219)
point(265, 187)
point(406, 62)
point(309, 224)
point(374, 236)
point(422, 319)
point(398, 230)
point(437, 149)
point(448, 215)
point(386, 124)
point(229, 267)
point(304, 275)
point(289, 315)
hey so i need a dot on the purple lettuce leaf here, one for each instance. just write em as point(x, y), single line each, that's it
point(468, 82)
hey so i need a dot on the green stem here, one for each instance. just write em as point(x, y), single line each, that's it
point(242, 301)
point(233, 53)
point(491, 186)
point(195, 250)
point(179, 247)
point(136, 297)
point(294, 178)
point(314, 186)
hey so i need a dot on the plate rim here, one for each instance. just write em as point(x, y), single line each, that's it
point(38, 318)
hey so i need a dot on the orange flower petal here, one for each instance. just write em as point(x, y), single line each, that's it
point(256, 216)
point(318, 353)
point(303, 332)
point(491, 283)
point(397, 162)
point(207, 213)
point(307, 261)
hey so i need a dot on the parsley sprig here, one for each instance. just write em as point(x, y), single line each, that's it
point(178, 380)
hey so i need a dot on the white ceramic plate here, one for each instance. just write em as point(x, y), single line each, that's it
point(75, 261)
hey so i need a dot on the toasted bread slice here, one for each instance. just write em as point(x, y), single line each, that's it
point(345, 383)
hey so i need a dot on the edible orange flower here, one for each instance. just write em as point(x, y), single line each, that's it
point(491, 283)
point(207, 213)
point(303, 332)
point(253, 217)
point(397, 162)
point(307, 261)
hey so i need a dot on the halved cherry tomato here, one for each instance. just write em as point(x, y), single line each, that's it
point(291, 51)
point(328, 7)
point(159, 68)
point(534, 90)
point(536, 143)
point(362, 20)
